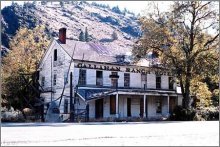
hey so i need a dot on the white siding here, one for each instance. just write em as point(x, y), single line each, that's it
point(91, 109)
point(151, 81)
point(106, 79)
point(90, 77)
point(164, 82)
point(135, 107)
point(135, 80)
point(106, 109)
point(76, 76)
point(121, 79)
point(122, 106)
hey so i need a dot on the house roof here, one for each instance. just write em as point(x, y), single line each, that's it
point(90, 51)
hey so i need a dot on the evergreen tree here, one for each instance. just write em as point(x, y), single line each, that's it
point(61, 3)
point(86, 35)
point(114, 36)
point(43, 2)
point(81, 36)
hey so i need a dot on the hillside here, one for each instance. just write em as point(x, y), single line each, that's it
point(100, 20)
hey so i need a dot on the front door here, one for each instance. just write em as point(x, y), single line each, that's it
point(128, 107)
point(99, 108)
point(172, 104)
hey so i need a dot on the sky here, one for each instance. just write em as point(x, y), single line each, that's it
point(133, 6)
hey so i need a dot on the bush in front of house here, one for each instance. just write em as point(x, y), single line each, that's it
point(182, 114)
point(199, 114)
point(209, 113)
point(11, 115)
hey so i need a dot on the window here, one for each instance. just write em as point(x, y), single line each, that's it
point(126, 80)
point(158, 106)
point(42, 81)
point(144, 80)
point(114, 81)
point(66, 106)
point(158, 82)
point(55, 55)
point(82, 77)
point(112, 104)
point(170, 82)
point(99, 78)
point(54, 79)
point(65, 78)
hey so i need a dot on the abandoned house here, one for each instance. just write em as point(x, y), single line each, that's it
point(105, 82)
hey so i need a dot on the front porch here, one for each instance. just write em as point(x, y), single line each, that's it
point(131, 107)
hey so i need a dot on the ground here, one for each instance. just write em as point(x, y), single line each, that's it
point(199, 133)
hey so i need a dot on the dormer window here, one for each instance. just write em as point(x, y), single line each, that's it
point(55, 55)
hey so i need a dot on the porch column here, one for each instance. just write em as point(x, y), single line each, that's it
point(144, 106)
point(117, 105)
point(168, 104)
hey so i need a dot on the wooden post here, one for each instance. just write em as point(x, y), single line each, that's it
point(117, 105)
point(87, 112)
point(168, 104)
point(144, 106)
point(71, 99)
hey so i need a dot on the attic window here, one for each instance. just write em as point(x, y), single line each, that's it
point(55, 55)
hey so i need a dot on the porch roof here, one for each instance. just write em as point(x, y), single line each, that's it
point(88, 94)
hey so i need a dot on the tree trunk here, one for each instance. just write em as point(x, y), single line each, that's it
point(186, 94)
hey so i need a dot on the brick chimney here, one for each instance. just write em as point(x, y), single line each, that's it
point(62, 35)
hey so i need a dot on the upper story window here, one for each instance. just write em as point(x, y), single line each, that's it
point(55, 55)
point(54, 79)
point(65, 78)
point(114, 80)
point(144, 80)
point(170, 82)
point(99, 78)
point(158, 82)
point(42, 81)
point(82, 77)
point(126, 80)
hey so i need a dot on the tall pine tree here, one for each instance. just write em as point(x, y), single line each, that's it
point(86, 35)
point(81, 36)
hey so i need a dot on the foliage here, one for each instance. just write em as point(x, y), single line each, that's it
point(182, 114)
point(61, 3)
point(114, 36)
point(15, 17)
point(116, 10)
point(86, 35)
point(26, 50)
point(101, 5)
point(181, 39)
point(44, 2)
point(201, 91)
point(81, 36)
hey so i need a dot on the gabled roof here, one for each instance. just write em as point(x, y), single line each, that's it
point(90, 51)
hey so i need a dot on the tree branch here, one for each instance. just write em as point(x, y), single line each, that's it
point(212, 40)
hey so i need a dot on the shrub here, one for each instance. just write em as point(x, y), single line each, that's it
point(181, 114)
point(199, 114)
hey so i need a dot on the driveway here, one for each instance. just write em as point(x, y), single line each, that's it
point(160, 133)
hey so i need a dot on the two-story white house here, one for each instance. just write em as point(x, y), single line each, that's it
point(106, 81)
